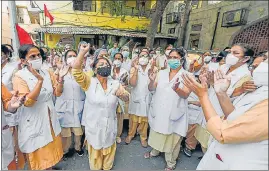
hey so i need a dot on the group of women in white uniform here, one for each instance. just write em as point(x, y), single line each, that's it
point(93, 101)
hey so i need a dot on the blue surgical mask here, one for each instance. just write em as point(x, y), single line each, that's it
point(174, 63)
point(125, 54)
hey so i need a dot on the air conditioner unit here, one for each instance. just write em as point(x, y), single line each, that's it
point(172, 18)
point(234, 18)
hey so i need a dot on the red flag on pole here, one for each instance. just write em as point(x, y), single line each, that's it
point(24, 37)
point(47, 14)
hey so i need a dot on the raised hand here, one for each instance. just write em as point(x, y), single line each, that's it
point(210, 77)
point(248, 86)
point(123, 78)
point(16, 101)
point(135, 63)
point(63, 71)
point(34, 72)
point(199, 89)
point(84, 48)
point(221, 82)
point(176, 84)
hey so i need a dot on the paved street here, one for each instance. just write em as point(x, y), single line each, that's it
point(131, 157)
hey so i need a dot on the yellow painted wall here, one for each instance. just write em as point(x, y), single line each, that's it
point(67, 17)
point(52, 41)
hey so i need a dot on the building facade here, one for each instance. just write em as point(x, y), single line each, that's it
point(112, 21)
point(24, 19)
point(214, 26)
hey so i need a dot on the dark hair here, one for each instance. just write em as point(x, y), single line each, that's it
point(9, 46)
point(168, 46)
point(118, 54)
point(24, 49)
point(246, 48)
point(96, 60)
point(71, 50)
point(142, 52)
point(5, 50)
point(226, 48)
point(91, 51)
point(43, 54)
point(181, 52)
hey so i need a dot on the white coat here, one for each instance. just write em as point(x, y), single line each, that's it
point(240, 156)
point(122, 103)
point(99, 115)
point(7, 75)
point(7, 143)
point(140, 94)
point(235, 75)
point(127, 64)
point(69, 106)
point(194, 112)
point(168, 111)
point(34, 124)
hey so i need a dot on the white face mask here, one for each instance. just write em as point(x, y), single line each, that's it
point(143, 61)
point(117, 63)
point(36, 64)
point(260, 75)
point(167, 52)
point(207, 59)
point(70, 60)
point(231, 59)
point(158, 52)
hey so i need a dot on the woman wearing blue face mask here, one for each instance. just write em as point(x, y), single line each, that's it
point(168, 116)
point(241, 138)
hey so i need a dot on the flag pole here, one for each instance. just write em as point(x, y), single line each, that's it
point(46, 43)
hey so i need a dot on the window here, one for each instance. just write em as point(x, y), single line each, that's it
point(84, 5)
point(171, 30)
point(196, 27)
point(172, 18)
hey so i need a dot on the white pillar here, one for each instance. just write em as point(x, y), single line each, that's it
point(13, 22)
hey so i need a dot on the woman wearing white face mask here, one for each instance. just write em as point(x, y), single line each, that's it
point(99, 116)
point(126, 63)
point(168, 116)
point(39, 129)
point(121, 74)
point(140, 99)
point(241, 139)
point(69, 107)
point(237, 68)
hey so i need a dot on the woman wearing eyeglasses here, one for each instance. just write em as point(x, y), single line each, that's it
point(99, 115)
point(69, 107)
point(39, 129)
point(168, 116)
